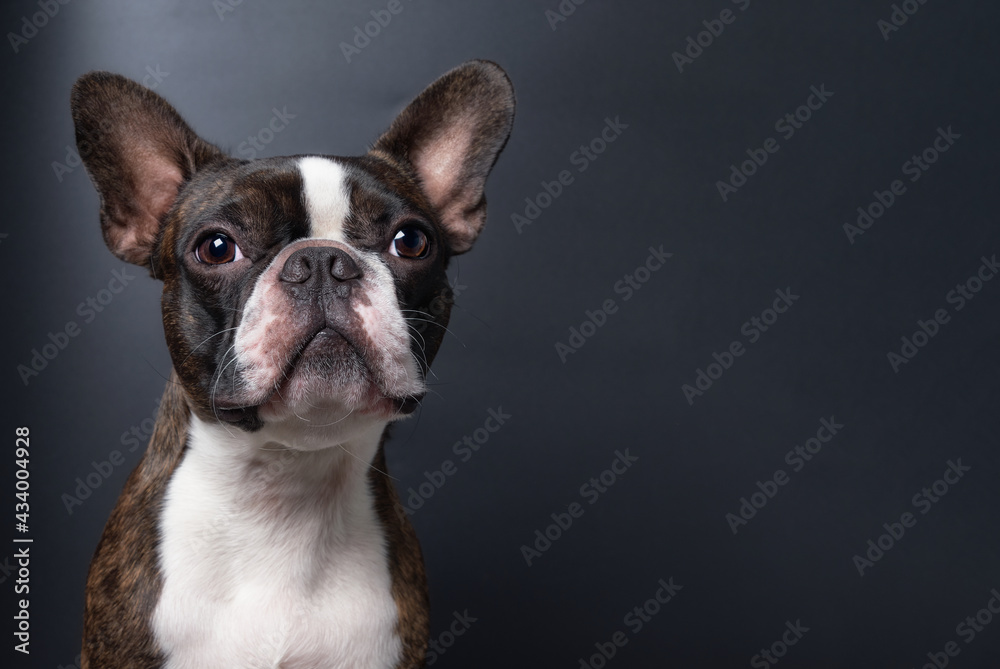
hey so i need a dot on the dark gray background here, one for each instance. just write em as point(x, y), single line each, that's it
point(519, 293)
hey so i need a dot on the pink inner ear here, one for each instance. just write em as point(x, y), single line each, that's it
point(440, 165)
point(131, 227)
point(158, 179)
point(160, 187)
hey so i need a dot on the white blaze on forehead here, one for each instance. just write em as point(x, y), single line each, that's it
point(327, 198)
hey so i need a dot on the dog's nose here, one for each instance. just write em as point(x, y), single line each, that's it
point(314, 269)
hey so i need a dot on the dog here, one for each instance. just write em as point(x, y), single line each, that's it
point(260, 528)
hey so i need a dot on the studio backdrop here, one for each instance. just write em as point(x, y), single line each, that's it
point(720, 387)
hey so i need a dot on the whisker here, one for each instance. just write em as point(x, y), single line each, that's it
point(205, 341)
point(484, 323)
point(215, 388)
point(411, 318)
point(159, 373)
point(387, 474)
point(421, 361)
point(336, 421)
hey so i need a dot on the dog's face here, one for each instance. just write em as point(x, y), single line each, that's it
point(292, 285)
point(297, 290)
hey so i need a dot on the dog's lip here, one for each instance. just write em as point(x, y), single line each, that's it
point(233, 413)
point(327, 330)
point(403, 405)
point(232, 410)
point(408, 404)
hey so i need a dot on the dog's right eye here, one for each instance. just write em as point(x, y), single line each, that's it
point(218, 249)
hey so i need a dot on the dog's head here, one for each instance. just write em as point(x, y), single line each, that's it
point(293, 285)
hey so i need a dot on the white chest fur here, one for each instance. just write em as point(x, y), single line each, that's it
point(273, 558)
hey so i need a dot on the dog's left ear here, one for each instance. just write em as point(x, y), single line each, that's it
point(451, 135)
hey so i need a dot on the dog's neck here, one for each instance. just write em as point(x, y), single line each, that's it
point(266, 482)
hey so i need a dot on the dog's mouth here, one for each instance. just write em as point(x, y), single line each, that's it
point(328, 368)
point(324, 343)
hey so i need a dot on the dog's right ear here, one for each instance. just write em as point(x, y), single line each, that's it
point(138, 152)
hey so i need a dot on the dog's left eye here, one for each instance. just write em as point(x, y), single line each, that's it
point(410, 242)
point(218, 249)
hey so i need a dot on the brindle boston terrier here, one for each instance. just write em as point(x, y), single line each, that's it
point(260, 528)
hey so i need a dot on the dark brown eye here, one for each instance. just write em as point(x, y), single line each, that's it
point(410, 242)
point(218, 249)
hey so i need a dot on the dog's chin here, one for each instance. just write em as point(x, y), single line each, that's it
point(331, 407)
point(329, 414)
